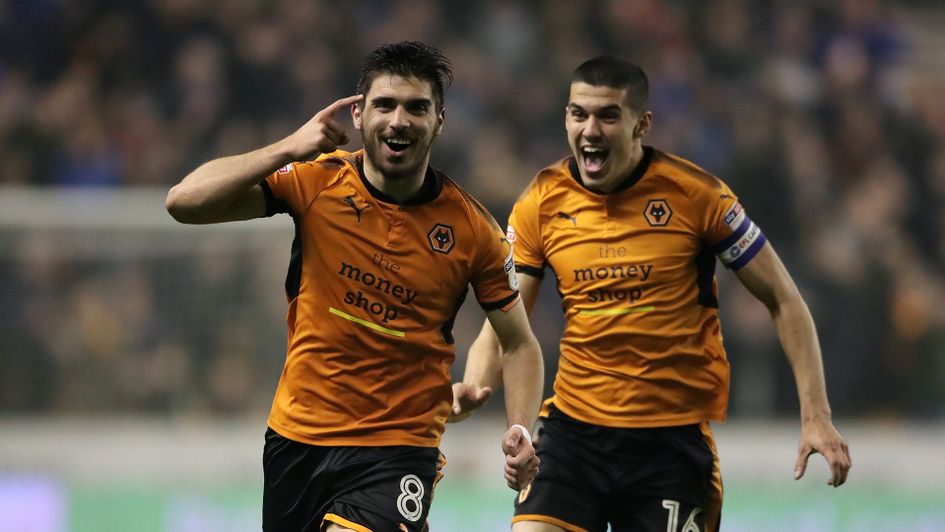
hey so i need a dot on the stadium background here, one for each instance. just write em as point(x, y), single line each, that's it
point(138, 357)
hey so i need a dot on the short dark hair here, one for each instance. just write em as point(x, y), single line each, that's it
point(408, 58)
point(610, 71)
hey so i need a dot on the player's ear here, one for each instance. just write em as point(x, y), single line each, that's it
point(356, 115)
point(643, 126)
point(440, 118)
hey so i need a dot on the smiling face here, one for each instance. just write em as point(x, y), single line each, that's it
point(605, 134)
point(398, 121)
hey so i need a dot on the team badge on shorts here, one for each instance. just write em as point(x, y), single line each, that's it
point(441, 238)
point(522, 495)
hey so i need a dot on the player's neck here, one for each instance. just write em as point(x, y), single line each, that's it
point(636, 157)
point(400, 188)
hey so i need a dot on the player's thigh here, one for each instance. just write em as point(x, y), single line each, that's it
point(573, 482)
point(333, 527)
point(310, 488)
point(673, 485)
point(535, 526)
point(654, 514)
point(387, 488)
point(294, 494)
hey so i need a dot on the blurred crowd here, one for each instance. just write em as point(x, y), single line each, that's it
point(822, 116)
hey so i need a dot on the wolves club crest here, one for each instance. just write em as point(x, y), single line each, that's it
point(658, 212)
point(441, 238)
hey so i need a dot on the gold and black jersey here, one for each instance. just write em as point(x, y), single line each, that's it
point(373, 289)
point(642, 345)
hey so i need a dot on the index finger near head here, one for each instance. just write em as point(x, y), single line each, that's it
point(343, 102)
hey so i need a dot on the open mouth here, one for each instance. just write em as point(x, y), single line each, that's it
point(594, 158)
point(398, 145)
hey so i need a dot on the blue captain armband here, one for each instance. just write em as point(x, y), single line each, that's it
point(743, 244)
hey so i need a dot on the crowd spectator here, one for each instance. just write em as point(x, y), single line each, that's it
point(814, 112)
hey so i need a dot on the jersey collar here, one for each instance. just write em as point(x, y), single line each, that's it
point(429, 190)
point(631, 180)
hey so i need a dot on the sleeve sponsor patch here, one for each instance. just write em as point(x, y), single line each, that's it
point(510, 271)
point(735, 216)
point(285, 169)
point(510, 234)
point(743, 244)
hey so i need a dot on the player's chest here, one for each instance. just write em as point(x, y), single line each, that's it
point(634, 232)
point(423, 241)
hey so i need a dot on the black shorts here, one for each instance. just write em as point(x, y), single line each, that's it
point(652, 479)
point(367, 489)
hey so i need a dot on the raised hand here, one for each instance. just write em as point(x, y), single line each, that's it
point(521, 462)
point(820, 436)
point(321, 134)
point(466, 399)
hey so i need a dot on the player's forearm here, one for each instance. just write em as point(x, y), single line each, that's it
point(799, 340)
point(483, 365)
point(215, 185)
point(523, 377)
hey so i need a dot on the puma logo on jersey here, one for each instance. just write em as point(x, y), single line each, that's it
point(349, 201)
point(565, 216)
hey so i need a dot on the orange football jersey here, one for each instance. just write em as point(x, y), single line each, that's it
point(642, 346)
point(373, 289)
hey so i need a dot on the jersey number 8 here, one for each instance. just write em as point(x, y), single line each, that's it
point(409, 503)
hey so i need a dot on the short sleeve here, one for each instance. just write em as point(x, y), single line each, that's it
point(292, 188)
point(524, 233)
point(735, 239)
point(493, 276)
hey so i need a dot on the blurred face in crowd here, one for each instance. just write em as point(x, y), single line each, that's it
point(398, 120)
point(605, 134)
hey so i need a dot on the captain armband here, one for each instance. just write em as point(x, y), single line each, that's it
point(745, 241)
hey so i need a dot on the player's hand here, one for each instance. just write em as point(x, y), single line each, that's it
point(521, 462)
point(819, 436)
point(466, 399)
point(321, 134)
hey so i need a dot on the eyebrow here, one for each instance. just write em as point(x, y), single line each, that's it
point(606, 108)
point(391, 99)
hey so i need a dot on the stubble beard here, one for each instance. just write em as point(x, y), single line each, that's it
point(409, 165)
